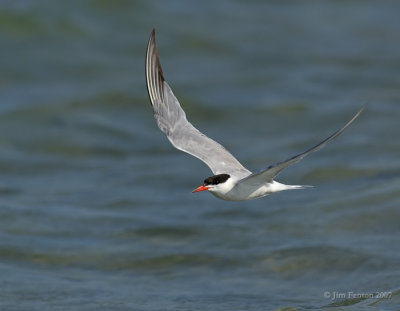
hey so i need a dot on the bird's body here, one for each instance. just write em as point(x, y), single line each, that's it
point(235, 190)
point(231, 180)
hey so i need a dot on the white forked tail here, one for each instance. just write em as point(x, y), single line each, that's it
point(277, 186)
point(293, 187)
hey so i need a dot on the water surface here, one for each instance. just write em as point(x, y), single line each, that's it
point(95, 205)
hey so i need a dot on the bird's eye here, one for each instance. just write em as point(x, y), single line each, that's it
point(208, 181)
point(216, 179)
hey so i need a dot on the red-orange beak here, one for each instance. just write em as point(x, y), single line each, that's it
point(201, 188)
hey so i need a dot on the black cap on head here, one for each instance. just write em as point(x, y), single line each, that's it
point(216, 179)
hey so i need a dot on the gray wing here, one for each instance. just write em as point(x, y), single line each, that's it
point(171, 119)
point(272, 171)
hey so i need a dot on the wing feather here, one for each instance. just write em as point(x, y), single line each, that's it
point(272, 171)
point(171, 119)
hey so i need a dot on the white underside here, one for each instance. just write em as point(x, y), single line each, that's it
point(244, 191)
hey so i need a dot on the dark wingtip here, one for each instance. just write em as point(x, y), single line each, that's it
point(152, 45)
point(154, 73)
point(153, 35)
point(355, 116)
point(152, 39)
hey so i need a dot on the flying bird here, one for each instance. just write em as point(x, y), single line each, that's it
point(231, 180)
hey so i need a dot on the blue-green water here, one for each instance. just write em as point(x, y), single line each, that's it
point(95, 205)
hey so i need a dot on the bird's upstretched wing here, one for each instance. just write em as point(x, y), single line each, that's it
point(272, 171)
point(171, 119)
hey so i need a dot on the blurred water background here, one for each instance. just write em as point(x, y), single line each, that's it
point(95, 205)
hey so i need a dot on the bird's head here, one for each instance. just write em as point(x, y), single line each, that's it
point(215, 183)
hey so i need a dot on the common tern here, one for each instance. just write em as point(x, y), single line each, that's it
point(231, 180)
